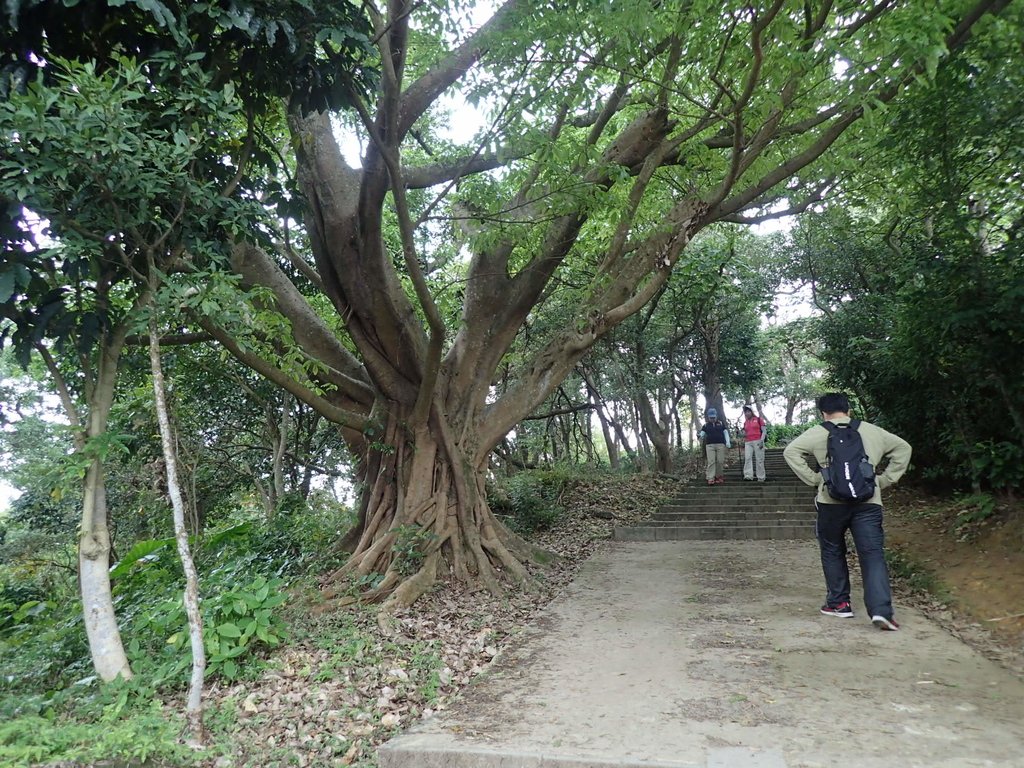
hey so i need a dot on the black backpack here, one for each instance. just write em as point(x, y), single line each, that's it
point(849, 475)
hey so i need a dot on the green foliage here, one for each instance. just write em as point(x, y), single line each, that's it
point(922, 275)
point(245, 569)
point(17, 616)
point(43, 651)
point(531, 500)
point(267, 50)
point(779, 435)
point(238, 623)
point(1000, 465)
point(142, 733)
point(411, 546)
point(111, 162)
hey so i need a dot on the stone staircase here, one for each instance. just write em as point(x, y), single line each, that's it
point(782, 507)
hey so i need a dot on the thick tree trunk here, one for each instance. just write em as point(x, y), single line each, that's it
point(713, 384)
point(94, 547)
point(427, 516)
point(791, 404)
point(108, 656)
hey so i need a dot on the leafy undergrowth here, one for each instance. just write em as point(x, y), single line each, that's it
point(346, 685)
point(333, 685)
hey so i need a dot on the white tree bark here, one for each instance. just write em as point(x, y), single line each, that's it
point(105, 647)
point(108, 656)
point(194, 702)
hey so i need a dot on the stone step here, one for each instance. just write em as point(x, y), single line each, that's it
point(780, 508)
point(731, 513)
point(734, 518)
point(782, 530)
point(740, 498)
point(739, 488)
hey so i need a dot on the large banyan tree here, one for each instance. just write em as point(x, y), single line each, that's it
point(464, 280)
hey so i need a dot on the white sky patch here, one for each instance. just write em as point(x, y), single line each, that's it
point(7, 495)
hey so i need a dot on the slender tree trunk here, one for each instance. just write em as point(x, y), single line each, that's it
point(695, 421)
point(658, 432)
point(606, 429)
point(588, 436)
point(280, 433)
point(623, 440)
point(194, 702)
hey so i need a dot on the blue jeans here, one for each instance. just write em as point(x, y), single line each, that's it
point(864, 521)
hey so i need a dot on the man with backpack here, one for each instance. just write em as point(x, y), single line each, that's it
point(849, 498)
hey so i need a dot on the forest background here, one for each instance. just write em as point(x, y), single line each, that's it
point(460, 331)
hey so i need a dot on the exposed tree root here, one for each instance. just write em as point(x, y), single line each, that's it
point(427, 507)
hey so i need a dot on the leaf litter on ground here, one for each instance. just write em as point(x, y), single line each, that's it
point(344, 685)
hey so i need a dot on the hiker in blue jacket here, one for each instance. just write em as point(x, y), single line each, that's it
point(715, 437)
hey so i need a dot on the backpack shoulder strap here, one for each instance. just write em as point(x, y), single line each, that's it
point(854, 424)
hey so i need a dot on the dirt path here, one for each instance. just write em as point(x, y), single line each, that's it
point(714, 654)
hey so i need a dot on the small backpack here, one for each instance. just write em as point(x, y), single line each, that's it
point(849, 476)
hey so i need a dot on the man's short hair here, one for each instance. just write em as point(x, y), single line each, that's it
point(834, 402)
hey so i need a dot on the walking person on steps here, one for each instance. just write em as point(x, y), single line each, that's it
point(715, 437)
point(862, 518)
point(754, 431)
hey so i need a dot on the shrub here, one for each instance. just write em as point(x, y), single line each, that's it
point(238, 622)
point(780, 434)
point(999, 464)
point(531, 500)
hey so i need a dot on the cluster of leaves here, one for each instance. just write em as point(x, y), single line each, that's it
point(923, 290)
point(530, 501)
point(253, 44)
point(780, 434)
point(237, 623)
point(105, 165)
point(244, 569)
point(99, 732)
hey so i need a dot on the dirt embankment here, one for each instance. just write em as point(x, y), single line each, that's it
point(965, 567)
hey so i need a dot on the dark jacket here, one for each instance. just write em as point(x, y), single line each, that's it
point(714, 433)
